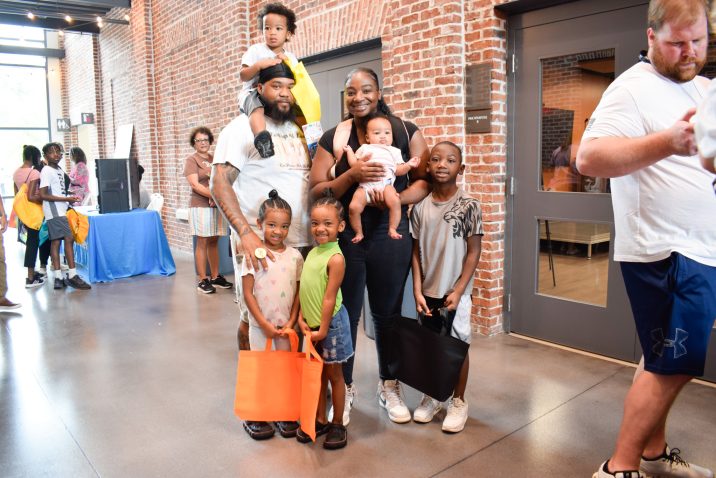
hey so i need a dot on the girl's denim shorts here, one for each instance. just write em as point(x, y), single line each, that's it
point(337, 347)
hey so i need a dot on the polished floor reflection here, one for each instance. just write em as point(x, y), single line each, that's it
point(569, 275)
point(135, 379)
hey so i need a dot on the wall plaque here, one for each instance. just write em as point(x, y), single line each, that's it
point(478, 108)
point(477, 86)
point(478, 121)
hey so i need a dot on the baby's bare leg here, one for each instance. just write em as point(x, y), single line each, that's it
point(392, 201)
point(355, 209)
point(257, 121)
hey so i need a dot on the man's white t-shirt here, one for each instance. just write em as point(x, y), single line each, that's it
point(54, 180)
point(705, 123)
point(286, 172)
point(256, 52)
point(668, 206)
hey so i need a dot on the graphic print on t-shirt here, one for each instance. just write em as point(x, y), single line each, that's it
point(289, 146)
point(462, 215)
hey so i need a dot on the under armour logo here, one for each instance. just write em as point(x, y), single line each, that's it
point(677, 343)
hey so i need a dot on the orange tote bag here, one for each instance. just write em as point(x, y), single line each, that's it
point(268, 383)
point(310, 388)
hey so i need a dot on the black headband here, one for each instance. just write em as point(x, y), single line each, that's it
point(277, 71)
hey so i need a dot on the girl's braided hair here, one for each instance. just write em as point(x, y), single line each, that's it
point(274, 201)
point(329, 200)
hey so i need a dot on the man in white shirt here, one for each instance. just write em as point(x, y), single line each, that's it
point(241, 180)
point(640, 136)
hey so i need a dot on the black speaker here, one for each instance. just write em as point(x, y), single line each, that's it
point(118, 181)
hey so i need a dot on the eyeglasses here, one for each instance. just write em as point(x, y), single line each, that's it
point(201, 140)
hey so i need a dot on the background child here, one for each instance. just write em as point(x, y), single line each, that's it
point(278, 24)
point(53, 191)
point(447, 228)
point(379, 149)
point(271, 295)
point(324, 317)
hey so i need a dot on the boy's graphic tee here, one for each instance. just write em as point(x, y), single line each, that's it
point(54, 180)
point(443, 229)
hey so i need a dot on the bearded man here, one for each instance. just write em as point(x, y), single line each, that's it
point(640, 136)
point(241, 180)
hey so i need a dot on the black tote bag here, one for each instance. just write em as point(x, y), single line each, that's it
point(425, 360)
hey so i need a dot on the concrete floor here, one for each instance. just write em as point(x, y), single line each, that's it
point(135, 379)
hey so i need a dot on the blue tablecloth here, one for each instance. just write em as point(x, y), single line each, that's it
point(125, 244)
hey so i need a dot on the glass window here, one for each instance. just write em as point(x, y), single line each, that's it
point(27, 36)
point(30, 60)
point(572, 86)
point(574, 261)
point(22, 42)
point(23, 96)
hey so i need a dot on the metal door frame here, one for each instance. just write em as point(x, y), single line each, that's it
point(577, 10)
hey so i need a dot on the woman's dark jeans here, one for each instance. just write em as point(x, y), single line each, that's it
point(381, 264)
point(32, 245)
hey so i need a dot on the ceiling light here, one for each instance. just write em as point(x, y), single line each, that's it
point(30, 15)
point(68, 19)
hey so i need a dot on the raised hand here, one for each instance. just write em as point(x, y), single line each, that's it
point(681, 135)
point(364, 171)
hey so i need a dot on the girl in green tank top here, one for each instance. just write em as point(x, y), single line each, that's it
point(323, 317)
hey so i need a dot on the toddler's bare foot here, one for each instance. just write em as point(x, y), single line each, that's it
point(394, 234)
point(357, 238)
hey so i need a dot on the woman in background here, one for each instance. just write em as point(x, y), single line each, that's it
point(205, 221)
point(79, 175)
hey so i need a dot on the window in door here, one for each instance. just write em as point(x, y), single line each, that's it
point(572, 86)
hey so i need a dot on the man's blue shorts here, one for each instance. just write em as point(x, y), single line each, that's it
point(674, 306)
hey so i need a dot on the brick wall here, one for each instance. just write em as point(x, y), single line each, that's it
point(176, 67)
point(485, 42)
point(81, 92)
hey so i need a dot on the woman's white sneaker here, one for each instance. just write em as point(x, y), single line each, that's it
point(350, 397)
point(456, 416)
point(389, 397)
point(427, 409)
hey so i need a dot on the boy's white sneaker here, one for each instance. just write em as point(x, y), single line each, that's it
point(348, 404)
point(671, 465)
point(389, 397)
point(603, 473)
point(456, 416)
point(428, 408)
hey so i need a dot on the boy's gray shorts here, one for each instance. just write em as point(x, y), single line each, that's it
point(58, 228)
